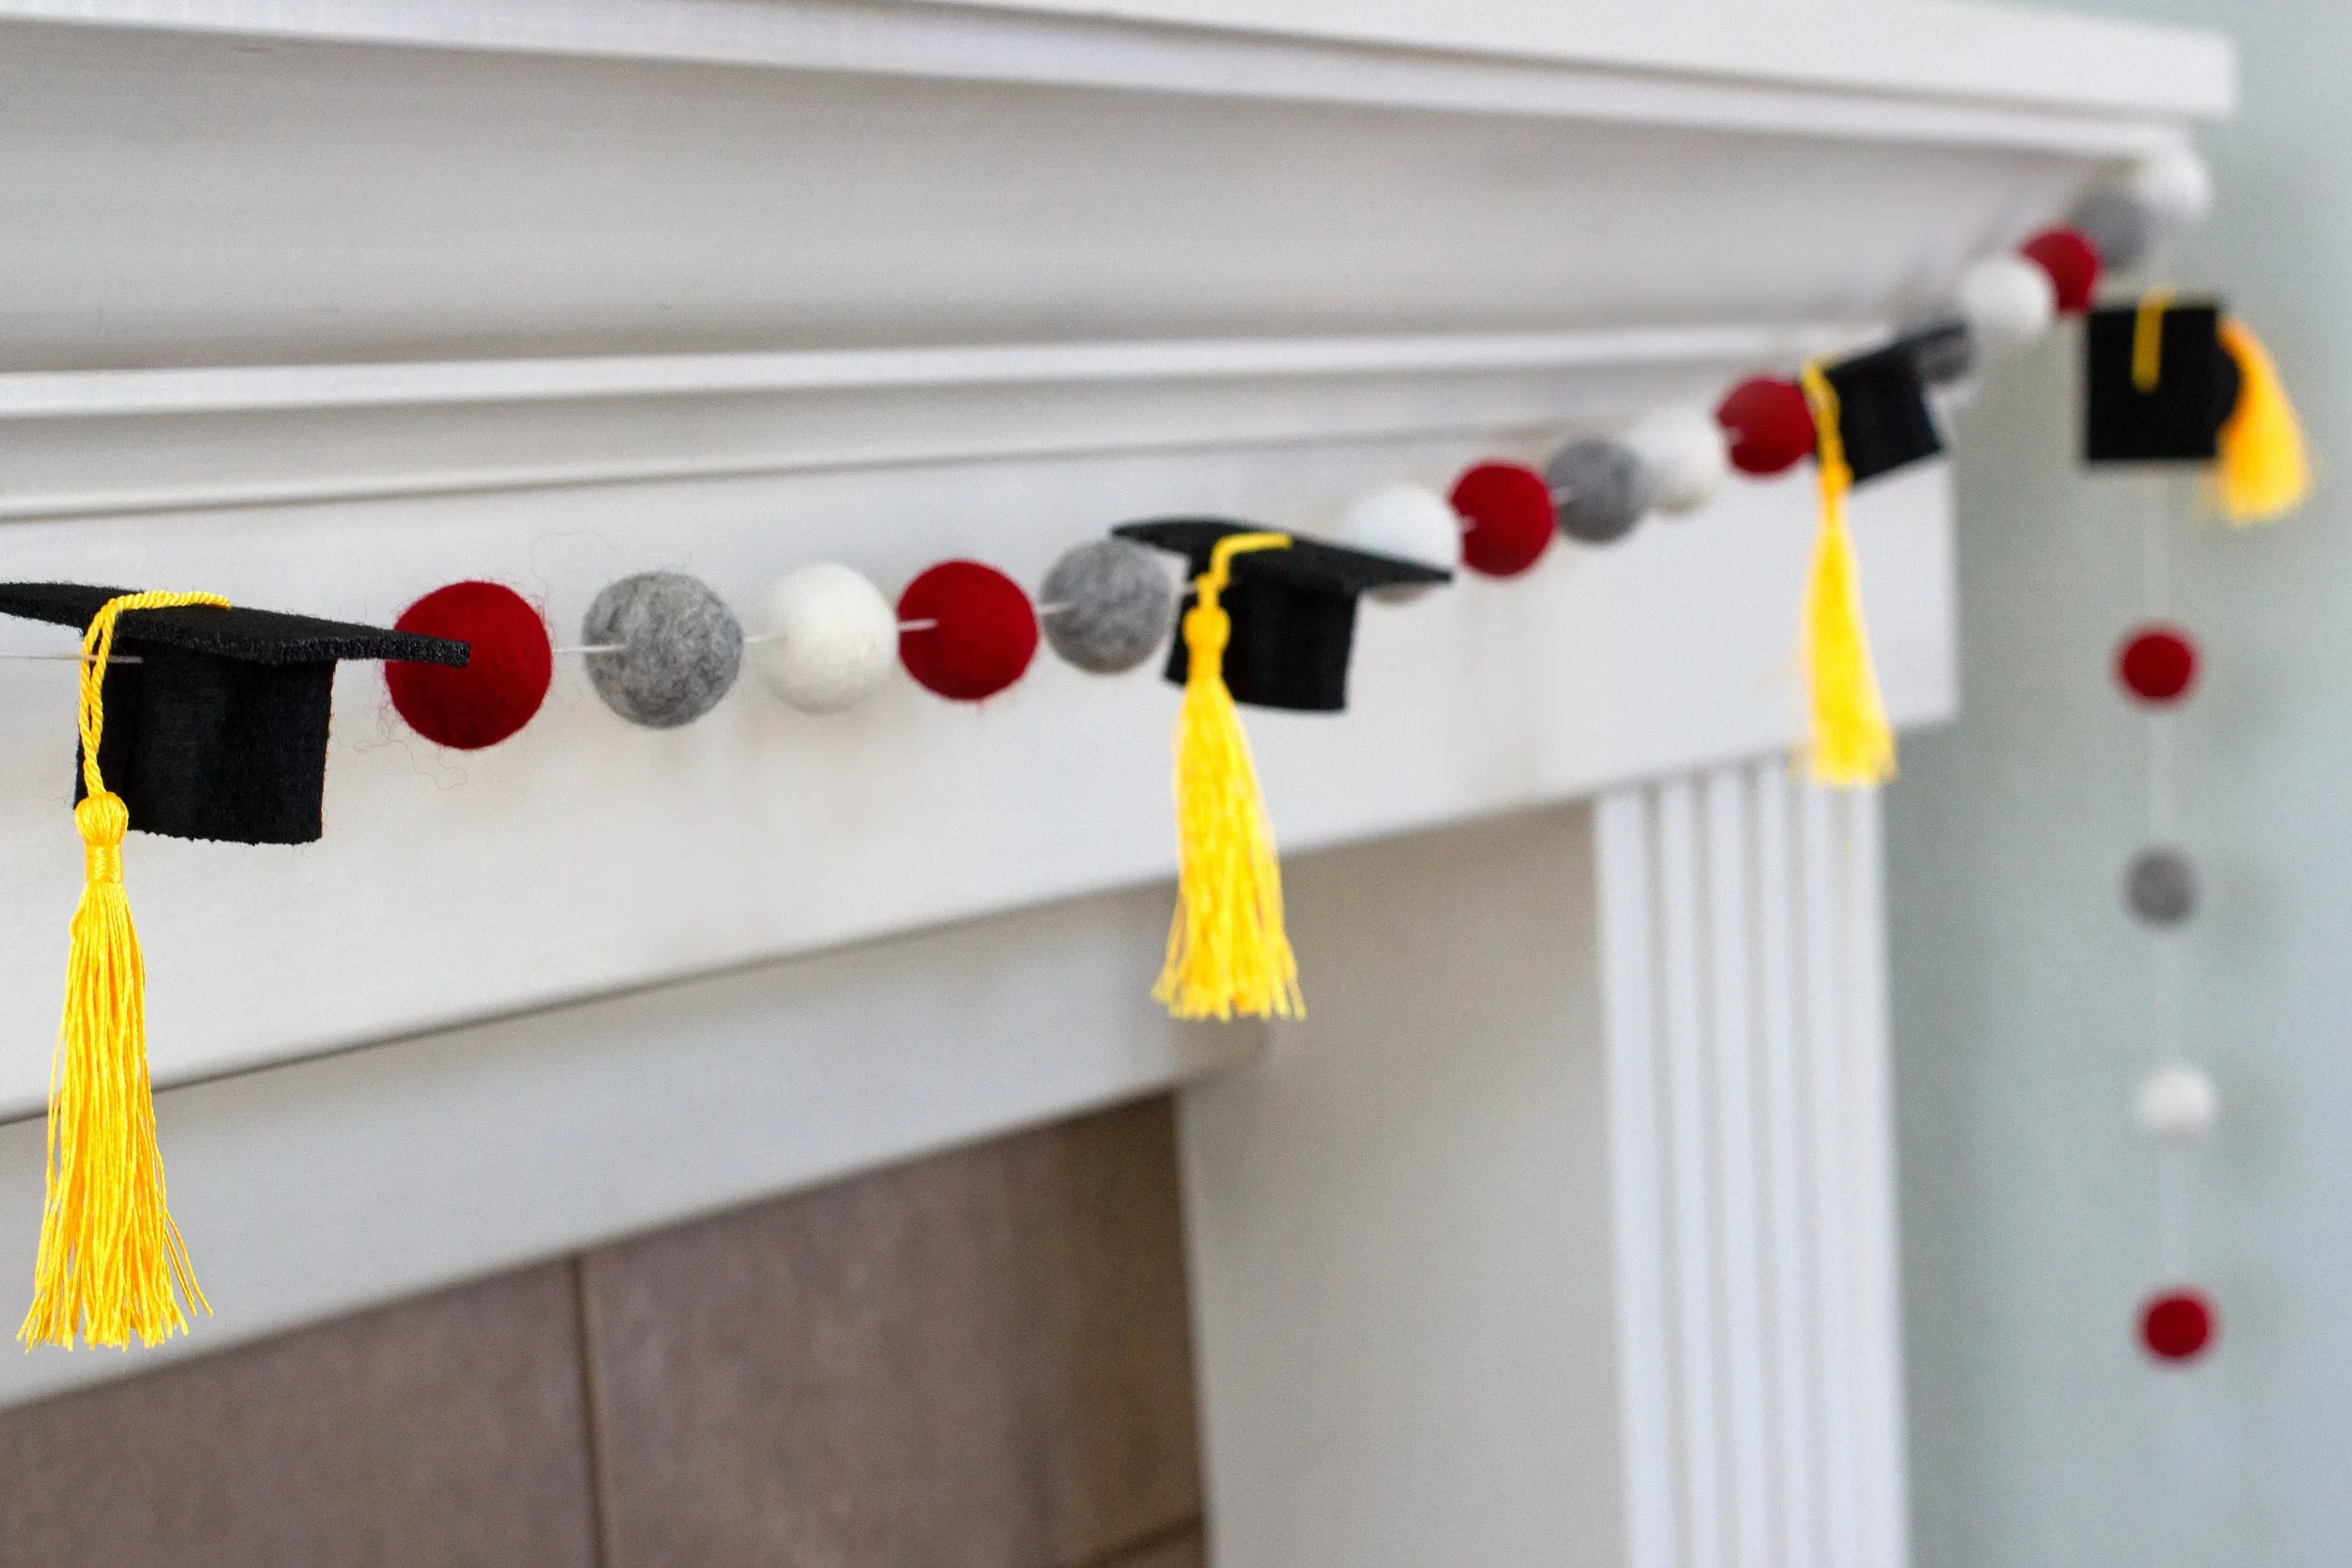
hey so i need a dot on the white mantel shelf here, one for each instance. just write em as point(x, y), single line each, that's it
point(1933, 51)
point(322, 305)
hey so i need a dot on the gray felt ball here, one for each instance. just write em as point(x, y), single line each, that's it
point(680, 648)
point(1109, 605)
point(2118, 225)
point(1599, 490)
point(2162, 887)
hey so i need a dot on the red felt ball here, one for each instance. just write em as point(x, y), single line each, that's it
point(2157, 664)
point(1770, 424)
point(981, 635)
point(2072, 263)
point(2177, 1325)
point(1506, 508)
point(504, 677)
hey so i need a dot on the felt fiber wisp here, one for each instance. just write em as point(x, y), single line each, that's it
point(2263, 471)
point(111, 1262)
point(1226, 951)
point(1848, 742)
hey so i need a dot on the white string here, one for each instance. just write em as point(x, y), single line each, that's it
point(2155, 562)
point(2172, 1215)
point(2155, 566)
point(72, 659)
point(580, 648)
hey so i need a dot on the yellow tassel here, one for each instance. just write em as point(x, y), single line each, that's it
point(1227, 953)
point(1851, 744)
point(111, 1262)
point(2264, 473)
point(2148, 341)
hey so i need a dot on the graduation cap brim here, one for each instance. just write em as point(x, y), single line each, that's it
point(1942, 352)
point(2179, 420)
point(1883, 416)
point(1293, 610)
point(219, 730)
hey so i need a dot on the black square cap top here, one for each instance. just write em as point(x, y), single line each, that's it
point(1883, 414)
point(219, 732)
point(2191, 384)
point(1294, 609)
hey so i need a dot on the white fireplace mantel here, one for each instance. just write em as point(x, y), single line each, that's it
point(323, 303)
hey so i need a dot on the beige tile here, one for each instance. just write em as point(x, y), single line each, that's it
point(975, 1361)
point(443, 1433)
point(1177, 1551)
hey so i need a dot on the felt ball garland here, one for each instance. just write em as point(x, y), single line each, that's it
point(663, 648)
point(1600, 490)
point(965, 631)
point(2072, 263)
point(1109, 606)
point(1768, 424)
point(502, 682)
point(829, 637)
point(1686, 454)
point(1405, 521)
point(2120, 226)
point(1506, 517)
point(2007, 303)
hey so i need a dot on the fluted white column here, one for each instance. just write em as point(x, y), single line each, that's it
point(1752, 1177)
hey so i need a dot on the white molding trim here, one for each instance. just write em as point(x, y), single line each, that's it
point(1759, 1340)
point(207, 438)
point(1921, 69)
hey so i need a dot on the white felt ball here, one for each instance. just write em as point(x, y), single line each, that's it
point(1408, 522)
point(1687, 456)
point(2008, 302)
point(831, 638)
point(2176, 1101)
point(2177, 188)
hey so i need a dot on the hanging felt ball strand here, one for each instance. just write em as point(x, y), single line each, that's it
point(1849, 744)
point(2156, 664)
point(111, 1262)
point(1226, 951)
point(2263, 471)
point(2178, 1325)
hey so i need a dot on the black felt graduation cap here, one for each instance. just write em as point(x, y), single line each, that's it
point(1293, 611)
point(1882, 410)
point(219, 730)
point(2157, 383)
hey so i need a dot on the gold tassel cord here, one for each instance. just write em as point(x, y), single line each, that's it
point(2148, 341)
point(111, 1262)
point(1848, 744)
point(1226, 951)
point(2265, 472)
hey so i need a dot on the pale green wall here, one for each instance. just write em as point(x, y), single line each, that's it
point(2039, 1435)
